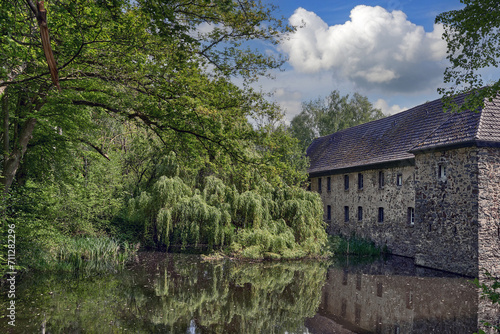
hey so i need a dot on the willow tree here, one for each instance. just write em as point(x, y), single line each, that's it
point(166, 65)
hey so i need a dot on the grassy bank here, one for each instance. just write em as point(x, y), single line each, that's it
point(340, 245)
point(77, 254)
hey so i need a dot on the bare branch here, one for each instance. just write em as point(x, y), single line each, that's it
point(47, 49)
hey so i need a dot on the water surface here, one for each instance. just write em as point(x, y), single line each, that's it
point(173, 293)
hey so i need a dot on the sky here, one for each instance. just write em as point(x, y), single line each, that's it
point(390, 51)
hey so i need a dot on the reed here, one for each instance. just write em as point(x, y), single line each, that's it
point(94, 254)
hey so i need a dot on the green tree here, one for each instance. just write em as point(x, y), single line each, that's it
point(473, 37)
point(322, 117)
point(165, 65)
point(138, 79)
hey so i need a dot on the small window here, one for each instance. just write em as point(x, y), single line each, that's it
point(346, 213)
point(381, 181)
point(411, 216)
point(380, 215)
point(380, 289)
point(360, 213)
point(360, 181)
point(328, 184)
point(319, 185)
point(442, 172)
point(346, 182)
point(399, 179)
point(328, 212)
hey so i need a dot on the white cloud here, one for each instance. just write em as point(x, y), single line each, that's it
point(375, 50)
point(386, 109)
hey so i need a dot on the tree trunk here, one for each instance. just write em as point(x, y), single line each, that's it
point(14, 159)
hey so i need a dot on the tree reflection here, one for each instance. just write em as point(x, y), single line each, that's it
point(175, 294)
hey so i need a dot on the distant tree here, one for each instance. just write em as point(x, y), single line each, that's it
point(321, 117)
point(473, 37)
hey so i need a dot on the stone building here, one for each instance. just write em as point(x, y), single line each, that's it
point(423, 182)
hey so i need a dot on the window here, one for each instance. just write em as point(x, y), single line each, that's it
point(346, 182)
point(360, 181)
point(381, 179)
point(319, 185)
point(380, 289)
point(442, 172)
point(399, 180)
point(411, 216)
point(346, 213)
point(328, 212)
point(328, 184)
point(360, 213)
point(380, 215)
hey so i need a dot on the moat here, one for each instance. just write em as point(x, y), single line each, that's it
point(173, 293)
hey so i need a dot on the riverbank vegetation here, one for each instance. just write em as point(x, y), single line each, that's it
point(140, 135)
point(354, 246)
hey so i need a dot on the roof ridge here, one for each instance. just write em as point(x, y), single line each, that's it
point(432, 132)
point(485, 111)
point(480, 124)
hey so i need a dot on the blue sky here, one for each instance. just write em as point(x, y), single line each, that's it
point(390, 51)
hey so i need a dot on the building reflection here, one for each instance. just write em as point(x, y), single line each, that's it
point(394, 297)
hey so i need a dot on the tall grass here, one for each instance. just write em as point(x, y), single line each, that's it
point(94, 254)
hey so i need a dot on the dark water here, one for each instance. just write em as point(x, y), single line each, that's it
point(172, 293)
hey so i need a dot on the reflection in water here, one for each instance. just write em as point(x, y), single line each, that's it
point(395, 297)
point(165, 293)
point(168, 293)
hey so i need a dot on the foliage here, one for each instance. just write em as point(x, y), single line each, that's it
point(354, 245)
point(166, 66)
point(69, 196)
point(140, 79)
point(322, 117)
point(473, 37)
point(263, 221)
point(94, 255)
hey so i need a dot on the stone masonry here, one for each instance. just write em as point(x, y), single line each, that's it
point(395, 231)
point(446, 210)
point(430, 186)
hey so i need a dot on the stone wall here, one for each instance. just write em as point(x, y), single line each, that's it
point(395, 231)
point(455, 194)
point(489, 209)
point(446, 218)
point(489, 224)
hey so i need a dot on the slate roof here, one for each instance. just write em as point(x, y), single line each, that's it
point(398, 137)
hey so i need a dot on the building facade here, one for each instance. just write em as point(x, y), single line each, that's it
point(423, 182)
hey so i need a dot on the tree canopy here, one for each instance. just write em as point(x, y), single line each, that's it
point(121, 118)
point(322, 117)
point(165, 65)
point(473, 37)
